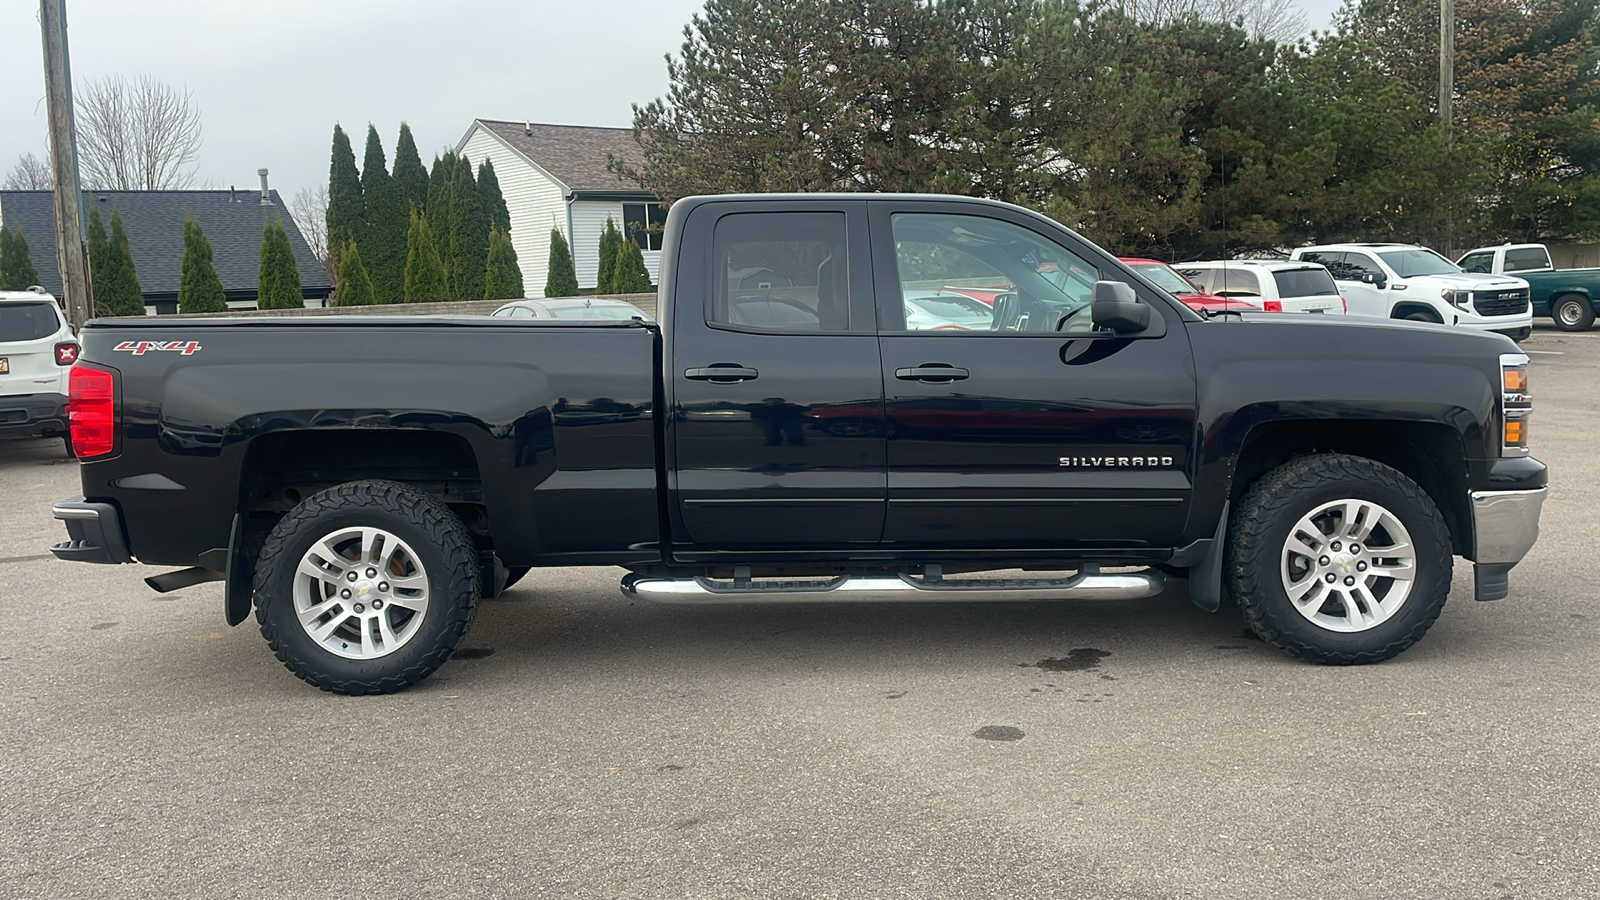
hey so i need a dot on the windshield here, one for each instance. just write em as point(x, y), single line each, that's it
point(28, 321)
point(1307, 282)
point(595, 312)
point(1421, 261)
point(1167, 279)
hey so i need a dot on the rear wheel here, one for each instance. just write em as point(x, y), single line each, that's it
point(1338, 559)
point(1572, 313)
point(367, 587)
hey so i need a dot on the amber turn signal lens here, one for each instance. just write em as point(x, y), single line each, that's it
point(1516, 433)
point(1516, 380)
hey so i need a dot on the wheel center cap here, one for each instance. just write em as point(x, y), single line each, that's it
point(365, 590)
point(1345, 562)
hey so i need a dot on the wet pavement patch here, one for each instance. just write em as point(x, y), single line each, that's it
point(1075, 661)
point(998, 733)
point(103, 626)
point(472, 653)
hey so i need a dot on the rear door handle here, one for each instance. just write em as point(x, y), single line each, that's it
point(936, 373)
point(721, 374)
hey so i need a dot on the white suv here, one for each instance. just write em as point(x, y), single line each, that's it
point(37, 349)
point(1404, 281)
point(1277, 285)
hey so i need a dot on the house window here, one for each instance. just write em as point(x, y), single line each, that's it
point(643, 222)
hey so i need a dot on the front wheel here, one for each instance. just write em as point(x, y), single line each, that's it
point(366, 588)
point(1572, 313)
point(1338, 559)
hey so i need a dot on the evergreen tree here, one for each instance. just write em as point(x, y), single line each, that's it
point(562, 277)
point(16, 266)
point(118, 292)
point(610, 242)
point(409, 175)
point(98, 247)
point(631, 275)
point(279, 286)
point(425, 279)
point(502, 277)
point(441, 199)
point(347, 209)
point(494, 202)
point(199, 288)
point(469, 236)
point(355, 288)
point(383, 251)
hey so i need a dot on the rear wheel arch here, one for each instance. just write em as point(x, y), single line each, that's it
point(1420, 312)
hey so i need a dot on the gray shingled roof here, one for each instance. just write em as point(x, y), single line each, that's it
point(574, 154)
point(232, 221)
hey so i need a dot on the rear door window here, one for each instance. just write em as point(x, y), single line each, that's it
point(1307, 282)
point(784, 272)
point(28, 321)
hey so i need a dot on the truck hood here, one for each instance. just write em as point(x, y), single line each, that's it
point(1467, 282)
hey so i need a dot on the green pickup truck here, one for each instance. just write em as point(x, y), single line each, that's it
point(1567, 295)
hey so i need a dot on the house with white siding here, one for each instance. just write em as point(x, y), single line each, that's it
point(555, 176)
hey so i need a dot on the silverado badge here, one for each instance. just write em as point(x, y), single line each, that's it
point(1115, 462)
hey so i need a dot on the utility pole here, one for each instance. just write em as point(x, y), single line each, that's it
point(71, 257)
point(1447, 65)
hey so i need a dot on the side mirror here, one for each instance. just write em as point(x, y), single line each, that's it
point(1116, 308)
point(1374, 279)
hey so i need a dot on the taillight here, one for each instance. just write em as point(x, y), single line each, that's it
point(66, 354)
point(1272, 306)
point(91, 411)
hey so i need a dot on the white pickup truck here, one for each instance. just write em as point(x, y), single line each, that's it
point(1405, 281)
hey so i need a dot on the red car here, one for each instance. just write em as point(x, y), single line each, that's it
point(1168, 279)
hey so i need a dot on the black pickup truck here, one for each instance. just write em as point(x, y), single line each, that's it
point(822, 415)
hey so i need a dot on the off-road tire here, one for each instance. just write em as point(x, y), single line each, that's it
point(1261, 523)
point(439, 538)
point(1579, 318)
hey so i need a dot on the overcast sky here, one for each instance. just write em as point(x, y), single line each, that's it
point(272, 78)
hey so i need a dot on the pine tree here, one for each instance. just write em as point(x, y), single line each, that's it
point(355, 288)
point(118, 292)
point(562, 277)
point(347, 209)
point(469, 236)
point(98, 247)
point(279, 286)
point(502, 277)
point(16, 266)
point(409, 175)
point(425, 280)
point(631, 276)
point(610, 241)
point(494, 202)
point(441, 199)
point(199, 288)
point(383, 251)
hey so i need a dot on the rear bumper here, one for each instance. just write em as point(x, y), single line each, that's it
point(30, 415)
point(94, 532)
point(1505, 525)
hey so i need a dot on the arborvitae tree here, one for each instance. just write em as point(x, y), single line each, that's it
point(16, 266)
point(502, 277)
point(469, 236)
point(355, 288)
point(118, 292)
point(561, 279)
point(98, 245)
point(347, 209)
point(631, 276)
point(409, 175)
point(383, 251)
point(199, 288)
point(494, 203)
point(279, 286)
point(441, 199)
point(425, 280)
point(610, 241)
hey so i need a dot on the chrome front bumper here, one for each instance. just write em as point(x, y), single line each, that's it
point(1505, 525)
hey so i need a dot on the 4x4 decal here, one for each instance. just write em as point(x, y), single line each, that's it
point(139, 348)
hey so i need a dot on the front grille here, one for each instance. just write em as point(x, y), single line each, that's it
point(1501, 303)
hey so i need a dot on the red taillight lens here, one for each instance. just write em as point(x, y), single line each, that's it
point(92, 411)
point(66, 354)
point(1272, 306)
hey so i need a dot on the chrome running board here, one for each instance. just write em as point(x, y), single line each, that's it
point(1088, 585)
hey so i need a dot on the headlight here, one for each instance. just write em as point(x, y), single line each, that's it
point(1516, 404)
point(1462, 299)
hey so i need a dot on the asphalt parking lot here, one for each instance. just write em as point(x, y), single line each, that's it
point(583, 746)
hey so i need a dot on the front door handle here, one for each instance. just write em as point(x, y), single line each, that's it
point(722, 374)
point(935, 373)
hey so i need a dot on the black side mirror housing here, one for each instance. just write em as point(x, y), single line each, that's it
point(1374, 279)
point(1116, 308)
